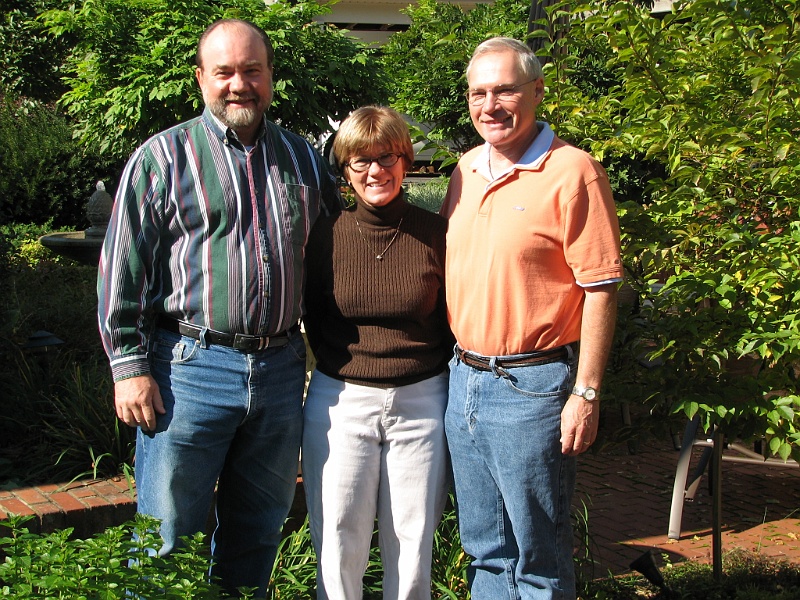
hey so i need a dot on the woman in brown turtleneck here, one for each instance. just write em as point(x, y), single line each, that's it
point(374, 441)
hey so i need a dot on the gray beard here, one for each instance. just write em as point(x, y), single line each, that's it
point(234, 117)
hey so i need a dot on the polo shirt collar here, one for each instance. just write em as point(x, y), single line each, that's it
point(532, 158)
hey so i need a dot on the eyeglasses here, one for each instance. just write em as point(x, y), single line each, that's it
point(362, 163)
point(503, 93)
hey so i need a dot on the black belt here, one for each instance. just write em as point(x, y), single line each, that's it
point(237, 341)
point(481, 363)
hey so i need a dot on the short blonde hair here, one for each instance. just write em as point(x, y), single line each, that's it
point(369, 127)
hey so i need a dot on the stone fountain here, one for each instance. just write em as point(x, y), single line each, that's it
point(84, 246)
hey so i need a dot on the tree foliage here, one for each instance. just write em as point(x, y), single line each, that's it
point(711, 92)
point(695, 115)
point(45, 176)
point(131, 70)
point(427, 62)
point(30, 59)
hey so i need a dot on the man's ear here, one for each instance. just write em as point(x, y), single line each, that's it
point(538, 88)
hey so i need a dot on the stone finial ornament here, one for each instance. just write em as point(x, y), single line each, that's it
point(98, 210)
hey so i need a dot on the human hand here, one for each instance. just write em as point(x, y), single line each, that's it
point(579, 421)
point(137, 400)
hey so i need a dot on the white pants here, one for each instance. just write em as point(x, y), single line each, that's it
point(366, 451)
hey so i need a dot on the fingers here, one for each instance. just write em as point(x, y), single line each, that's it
point(137, 400)
point(579, 421)
point(572, 446)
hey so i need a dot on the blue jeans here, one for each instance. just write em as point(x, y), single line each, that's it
point(233, 420)
point(513, 485)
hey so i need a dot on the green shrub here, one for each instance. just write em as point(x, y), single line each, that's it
point(30, 60)
point(117, 563)
point(120, 562)
point(131, 70)
point(45, 176)
point(428, 195)
point(57, 419)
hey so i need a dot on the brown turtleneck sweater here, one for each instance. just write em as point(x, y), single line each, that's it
point(379, 323)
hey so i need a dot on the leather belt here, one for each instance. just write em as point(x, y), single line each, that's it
point(237, 341)
point(476, 361)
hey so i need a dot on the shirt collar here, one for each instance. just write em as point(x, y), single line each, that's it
point(530, 160)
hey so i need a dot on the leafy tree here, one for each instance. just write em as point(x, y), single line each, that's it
point(131, 72)
point(30, 59)
point(711, 92)
point(427, 62)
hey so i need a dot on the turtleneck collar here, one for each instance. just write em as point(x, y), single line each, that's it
point(388, 215)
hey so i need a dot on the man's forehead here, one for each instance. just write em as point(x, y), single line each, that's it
point(494, 68)
point(221, 39)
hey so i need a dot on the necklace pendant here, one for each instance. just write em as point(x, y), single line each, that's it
point(379, 257)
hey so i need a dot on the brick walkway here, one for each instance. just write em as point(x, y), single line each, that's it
point(628, 497)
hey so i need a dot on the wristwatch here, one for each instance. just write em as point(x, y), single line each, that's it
point(588, 393)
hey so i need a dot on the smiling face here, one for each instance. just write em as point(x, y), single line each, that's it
point(377, 186)
point(509, 125)
point(235, 77)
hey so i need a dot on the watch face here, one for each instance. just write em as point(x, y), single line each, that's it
point(590, 393)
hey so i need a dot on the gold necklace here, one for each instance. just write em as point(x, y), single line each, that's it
point(379, 256)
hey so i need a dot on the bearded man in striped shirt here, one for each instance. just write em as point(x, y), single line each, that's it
point(200, 294)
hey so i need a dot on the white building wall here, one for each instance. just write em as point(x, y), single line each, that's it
point(374, 21)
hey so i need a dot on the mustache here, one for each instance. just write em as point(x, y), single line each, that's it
point(236, 98)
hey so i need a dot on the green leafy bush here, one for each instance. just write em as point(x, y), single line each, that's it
point(120, 562)
point(45, 176)
point(426, 63)
point(710, 92)
point(30, 60)
point(131, 71)
point(695, 115)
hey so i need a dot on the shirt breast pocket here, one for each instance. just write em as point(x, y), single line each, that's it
point(301, 204)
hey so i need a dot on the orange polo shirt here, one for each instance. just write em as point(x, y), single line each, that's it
point(519, 248)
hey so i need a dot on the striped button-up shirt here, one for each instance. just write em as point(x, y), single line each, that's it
point(209, 232)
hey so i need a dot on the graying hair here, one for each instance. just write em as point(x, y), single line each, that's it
point(526, 60)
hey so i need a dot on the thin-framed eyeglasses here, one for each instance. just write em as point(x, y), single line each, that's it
point(503, 93)
point(362, 163)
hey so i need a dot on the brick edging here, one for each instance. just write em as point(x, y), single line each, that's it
point(89, 506)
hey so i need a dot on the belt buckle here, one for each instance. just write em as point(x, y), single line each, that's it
point(249, 343)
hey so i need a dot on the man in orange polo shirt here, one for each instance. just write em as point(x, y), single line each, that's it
point(532, 266)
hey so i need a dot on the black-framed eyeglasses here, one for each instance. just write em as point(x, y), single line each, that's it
point(504, 93)
point(362, 163)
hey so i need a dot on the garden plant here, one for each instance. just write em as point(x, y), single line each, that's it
point(120, 563)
